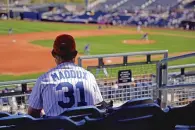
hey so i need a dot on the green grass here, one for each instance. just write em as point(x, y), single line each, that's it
point(113, 44)
point(167, 31)
point(20, 77)
point(29, 26)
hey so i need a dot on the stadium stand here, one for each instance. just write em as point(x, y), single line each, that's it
point(132, 4)
point(160, 13)
point(136, 114)
point(164, 3)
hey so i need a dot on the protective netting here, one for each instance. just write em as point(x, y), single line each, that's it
point(111, 72)
point(143, 82)
point(14, 104)
point(121, 94)
point(177, 78)
point(179, 96)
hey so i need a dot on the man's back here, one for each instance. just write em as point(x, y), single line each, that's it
point(63, 87)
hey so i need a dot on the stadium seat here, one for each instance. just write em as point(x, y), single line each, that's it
point(15, 120)
point(182, 115)
point(179, 127)
point(137, 115)
point(4, 114)
point(26, 122)
point(79, 113)
point(51, 123)
point(139, 101)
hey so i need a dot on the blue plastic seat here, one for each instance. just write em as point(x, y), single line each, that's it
point(4, 114)
point(26, 122)
point(15, 120)
point(51, 123)
point(79, 113)
point(136, 115)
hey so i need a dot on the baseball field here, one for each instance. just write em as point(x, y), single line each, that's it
point(26, 53)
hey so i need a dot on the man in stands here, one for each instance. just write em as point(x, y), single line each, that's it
point(64, 86)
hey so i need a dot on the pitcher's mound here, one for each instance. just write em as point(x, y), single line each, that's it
point(138, 42)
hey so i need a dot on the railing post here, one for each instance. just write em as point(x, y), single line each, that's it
point(79, 62)
point(125, 60)
point(148, 59)
point(165, 70)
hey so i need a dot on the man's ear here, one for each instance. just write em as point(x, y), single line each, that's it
point(75, 54)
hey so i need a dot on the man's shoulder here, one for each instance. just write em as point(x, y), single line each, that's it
point(86, 71)
point(45, 76)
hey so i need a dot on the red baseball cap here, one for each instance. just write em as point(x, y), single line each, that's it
point(64, 45)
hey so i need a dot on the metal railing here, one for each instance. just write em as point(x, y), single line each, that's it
point(176, 84)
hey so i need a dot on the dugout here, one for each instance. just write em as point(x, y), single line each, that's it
point(187, 22)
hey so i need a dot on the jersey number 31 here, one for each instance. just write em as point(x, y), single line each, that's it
point(70, 94)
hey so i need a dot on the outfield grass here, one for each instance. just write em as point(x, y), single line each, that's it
point(114, 44)
point(29, 26)
point(163, 30)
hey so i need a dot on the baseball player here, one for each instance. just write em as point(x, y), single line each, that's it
point(145, 37)
point(65, 86)
point(104, 70)
point(87, 49)
point(10, 31)
point(138, 28)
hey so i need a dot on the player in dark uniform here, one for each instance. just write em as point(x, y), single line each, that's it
point(10, 31)
point(87, 49)
point(145, 36)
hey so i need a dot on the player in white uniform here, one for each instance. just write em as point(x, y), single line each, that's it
point(64, 86)
point(139, 29)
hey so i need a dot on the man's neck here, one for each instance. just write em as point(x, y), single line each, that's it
point(69, 61)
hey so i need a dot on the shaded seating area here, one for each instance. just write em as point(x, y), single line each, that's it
point(136, 114)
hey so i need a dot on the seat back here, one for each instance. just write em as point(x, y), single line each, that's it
point(137, 115)
point(79, 113)
point(15, 120)
point(4, 114)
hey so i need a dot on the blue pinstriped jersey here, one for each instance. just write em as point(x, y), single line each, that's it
point(64, 87)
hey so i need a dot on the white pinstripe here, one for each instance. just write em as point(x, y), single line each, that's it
point(45, 94)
